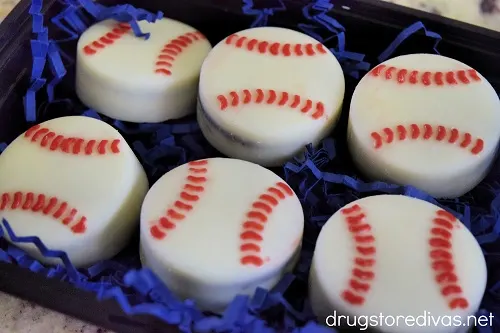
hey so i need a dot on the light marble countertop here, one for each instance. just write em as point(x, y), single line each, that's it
point(485, 13)
point(6, 6)
point(18, 316)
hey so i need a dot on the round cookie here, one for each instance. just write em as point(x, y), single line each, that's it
point(425, 120)
point(212, 229)
point(288, 93)
point(132, 79)
point(75, 183)
point(397, 256)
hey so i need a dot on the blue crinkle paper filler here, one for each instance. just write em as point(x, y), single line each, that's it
point(261, 15)
point(39, 48)
point(404, 35)
point(321, 24)
point(72, 21)
point(321, 181)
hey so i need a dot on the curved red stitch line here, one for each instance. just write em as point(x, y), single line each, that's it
point(362, 273)
point(190, 194)
point(173, 49)
point(426, 78)
point(252, 229)
point(43, 204)
point(428, 132)
point(70, 145)
point(276, 48)
point(109, 38)
point(442, 259)
point(315, 109)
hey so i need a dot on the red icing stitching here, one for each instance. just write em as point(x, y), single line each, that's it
point(109, 38)
point(442, 263)
point(268, 96)
point(253, 227)
point(403, 75)
point(71, 145)
point(427, 132)
point(173, 48)
point(362, 273)
point(276, 48)
point(188, 197)
point(40, 203)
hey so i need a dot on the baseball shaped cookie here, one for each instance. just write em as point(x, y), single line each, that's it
point(133, 79)
point(75, 183)
point(216, 228)
point(425, 120)
point(267, 92)
point(393, 255)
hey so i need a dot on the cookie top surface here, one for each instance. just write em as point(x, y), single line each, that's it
point(398, 255)
point(426, 112)
point(269, 83)
point(62, 172)
point(221, 220)
point(173, 52)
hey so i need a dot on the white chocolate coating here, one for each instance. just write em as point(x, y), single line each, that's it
point(397, 256)
point(216, 228)
point(267, 92)
point(434, 124)
point(77, 195)
point(132, 79)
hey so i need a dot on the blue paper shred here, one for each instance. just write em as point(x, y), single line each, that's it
point(37, 16)
point(3, 145)
point(66, 272)
point(122, 13)
point(20, 256)
point(56, 67)
point(404, 35)
point(261, 15)
point(321, 180)
point(70, 22)
point(317, 13)
point(39, 48)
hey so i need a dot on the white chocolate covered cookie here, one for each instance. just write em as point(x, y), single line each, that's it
point(75, 183)
point(425, 120)
point(398, 257)
point(215, 228)
point(132, 79)
point(267, 92)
